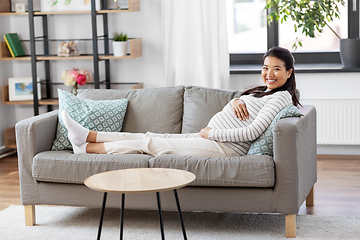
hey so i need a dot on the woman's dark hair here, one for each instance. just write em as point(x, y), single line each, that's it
point(290, 85)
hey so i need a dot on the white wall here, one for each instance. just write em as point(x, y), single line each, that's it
point(148, 69)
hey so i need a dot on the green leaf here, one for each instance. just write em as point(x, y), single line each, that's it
point(120, 37)
point(54, 3)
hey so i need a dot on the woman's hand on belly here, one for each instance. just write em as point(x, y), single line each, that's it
point(240, 110)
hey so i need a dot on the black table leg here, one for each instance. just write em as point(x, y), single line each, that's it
point(160, 216)
point(122, 215)
point(180, 214)
point(102, 215)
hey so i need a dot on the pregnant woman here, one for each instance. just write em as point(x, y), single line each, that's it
point(229, 133)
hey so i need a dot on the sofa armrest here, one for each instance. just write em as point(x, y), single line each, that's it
point(33, 135)
point(295, 156)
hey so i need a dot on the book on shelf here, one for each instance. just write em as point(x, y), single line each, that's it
point(8, 45)
point(13, 42)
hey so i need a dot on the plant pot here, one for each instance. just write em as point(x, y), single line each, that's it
point(120, 49)
point(349, 52)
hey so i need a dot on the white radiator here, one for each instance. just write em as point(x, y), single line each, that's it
point(338, 121)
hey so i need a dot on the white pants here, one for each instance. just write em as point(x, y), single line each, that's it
point(157, 144)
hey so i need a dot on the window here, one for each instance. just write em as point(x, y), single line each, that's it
point(250, 36)
point(246, 22)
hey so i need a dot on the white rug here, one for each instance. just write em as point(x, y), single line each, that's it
point(81, 223)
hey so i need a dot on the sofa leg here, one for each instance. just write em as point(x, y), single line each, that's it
point(310, 198)
point(30, 219)
point(290, 223)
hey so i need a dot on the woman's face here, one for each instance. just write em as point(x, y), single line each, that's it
point(274, 72)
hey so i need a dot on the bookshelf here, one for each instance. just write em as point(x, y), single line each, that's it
point(135, 46)
point(135, 52)
point(95, 57)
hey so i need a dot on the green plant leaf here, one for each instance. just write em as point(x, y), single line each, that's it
point(54, 3)
point(311, 16)
point(120, 37)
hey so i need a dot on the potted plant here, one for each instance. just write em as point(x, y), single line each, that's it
point(311, 17)
point(120, 44)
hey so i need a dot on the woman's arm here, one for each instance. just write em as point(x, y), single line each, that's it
point(261, 122)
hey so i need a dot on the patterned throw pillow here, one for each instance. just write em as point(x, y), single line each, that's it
point(101, 115)
point(263, 145)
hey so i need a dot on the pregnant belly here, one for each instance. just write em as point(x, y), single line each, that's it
point(226, 120)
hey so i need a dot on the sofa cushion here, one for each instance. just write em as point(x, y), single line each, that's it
point(263, 145)
point(157, 110)
point(102, 115)
point(245, 171)
point(200, 104)
point(65, 167)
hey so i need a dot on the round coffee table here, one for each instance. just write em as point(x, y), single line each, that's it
point(140, 180)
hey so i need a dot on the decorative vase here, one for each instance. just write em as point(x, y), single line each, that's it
point(120, 48)
point(74, 89)
point(349, 52)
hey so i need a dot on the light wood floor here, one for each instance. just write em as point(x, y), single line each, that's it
point(337, 191)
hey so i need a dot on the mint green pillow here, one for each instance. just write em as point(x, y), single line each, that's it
point(263, 145)
point(96, 115)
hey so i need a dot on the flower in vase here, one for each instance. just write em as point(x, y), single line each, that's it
point(74, 73)
point(81, 79)
point(74, 77)
point(67, 78)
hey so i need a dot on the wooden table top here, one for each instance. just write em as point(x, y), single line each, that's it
point(139, 180)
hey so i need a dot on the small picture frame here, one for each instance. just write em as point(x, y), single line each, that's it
point(20, 7)
point(22, 89)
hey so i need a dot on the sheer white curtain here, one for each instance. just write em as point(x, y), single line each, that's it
point(195, 45)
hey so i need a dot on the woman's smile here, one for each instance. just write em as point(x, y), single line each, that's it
point(274, 73)
point(271, 80)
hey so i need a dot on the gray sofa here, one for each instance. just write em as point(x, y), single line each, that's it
point(252, 183)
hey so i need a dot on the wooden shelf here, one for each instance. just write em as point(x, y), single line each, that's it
point(5, 99)
point(12, 13)
point(5, 96)
point(25, 58)
point(84, 57)
point(6, 56)
point(135, 52)
point(9, 137)
point(134, 6)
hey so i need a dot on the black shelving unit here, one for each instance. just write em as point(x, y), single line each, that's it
point(46, 40)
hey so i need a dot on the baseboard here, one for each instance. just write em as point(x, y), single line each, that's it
point(3, 149)
point(353, 150)
point(4, 152)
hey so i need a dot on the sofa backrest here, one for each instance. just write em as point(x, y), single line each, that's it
point(157, 110)
point(200, 104)
point(168, 109)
